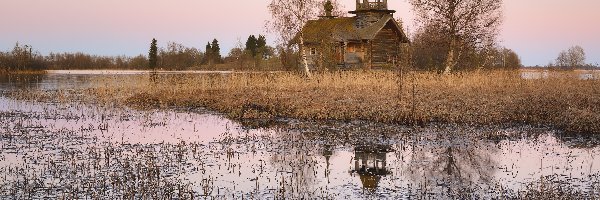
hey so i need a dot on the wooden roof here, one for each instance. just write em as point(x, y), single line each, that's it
point(343, 29)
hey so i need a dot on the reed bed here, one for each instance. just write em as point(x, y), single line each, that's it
point(473, 98)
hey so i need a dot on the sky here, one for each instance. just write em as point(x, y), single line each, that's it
point(536, 29)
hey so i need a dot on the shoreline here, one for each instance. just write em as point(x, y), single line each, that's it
point(24, 72)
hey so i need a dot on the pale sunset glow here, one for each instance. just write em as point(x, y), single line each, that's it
point(536, 29)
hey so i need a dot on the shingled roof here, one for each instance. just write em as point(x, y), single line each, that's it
point(344, 29)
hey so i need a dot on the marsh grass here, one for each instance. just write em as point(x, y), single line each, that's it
point(473, 98)
point(62, 164)
point(551, 187)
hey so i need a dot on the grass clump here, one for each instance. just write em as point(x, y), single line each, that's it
point(475, 98)
point(550, 187)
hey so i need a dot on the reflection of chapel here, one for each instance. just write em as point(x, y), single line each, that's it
point(371, 38)
point(370, 164)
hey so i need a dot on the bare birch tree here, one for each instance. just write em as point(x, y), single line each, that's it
point(576, 56)
point(288, 19)
point(464, 23)
point(571, 58)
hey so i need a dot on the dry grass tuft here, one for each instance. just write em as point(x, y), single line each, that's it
point(477, 98)
point(551, 187)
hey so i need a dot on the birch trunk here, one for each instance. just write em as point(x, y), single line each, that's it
point(304, 59)
point(450, 60)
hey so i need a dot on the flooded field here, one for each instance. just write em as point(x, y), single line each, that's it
point(80, 150)
point(544, 74)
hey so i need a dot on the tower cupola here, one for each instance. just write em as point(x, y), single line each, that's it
point(370, 11)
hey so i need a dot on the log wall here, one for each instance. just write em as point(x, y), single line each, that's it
point(386, 45)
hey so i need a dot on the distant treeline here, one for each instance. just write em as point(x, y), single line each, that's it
point(257, 55)
point(21, 58)
point(174, 56)
point(25, 58)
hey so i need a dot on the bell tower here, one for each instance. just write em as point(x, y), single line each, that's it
point(370, 11)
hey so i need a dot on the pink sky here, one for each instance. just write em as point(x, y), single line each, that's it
point(536, 29)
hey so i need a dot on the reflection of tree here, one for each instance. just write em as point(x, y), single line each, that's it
point(454, 163)
point(300, 154)
point(10, 82)
point(327, 152)
point(296, 161)
point(302, 158)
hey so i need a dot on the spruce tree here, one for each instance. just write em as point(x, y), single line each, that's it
point(152, 54)
point(216, 51)
point(251, 45)
point(208, 54)
point(261, 44)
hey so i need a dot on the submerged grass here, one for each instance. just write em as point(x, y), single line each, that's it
point(475, 98)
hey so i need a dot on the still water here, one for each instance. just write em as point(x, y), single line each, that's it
point(545, 74)
point(81, 150)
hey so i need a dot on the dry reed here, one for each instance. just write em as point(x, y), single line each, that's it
point(475, 98)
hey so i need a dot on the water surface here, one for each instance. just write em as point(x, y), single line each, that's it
point(545, 74)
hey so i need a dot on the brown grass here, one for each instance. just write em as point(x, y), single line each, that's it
point(482, 98)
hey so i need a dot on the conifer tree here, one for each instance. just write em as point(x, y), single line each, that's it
point(152, 54)
point(208, 54)
point(251, 45)
point(261, 44)
point(216, 51)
